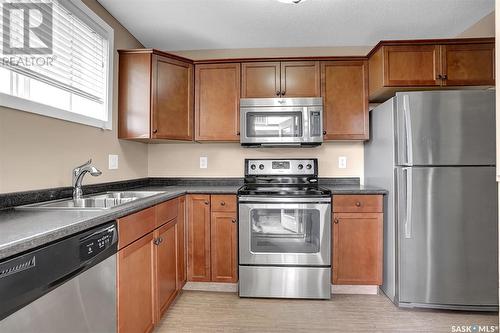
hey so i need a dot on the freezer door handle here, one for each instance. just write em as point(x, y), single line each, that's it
point(407, 122)
point(409, 199)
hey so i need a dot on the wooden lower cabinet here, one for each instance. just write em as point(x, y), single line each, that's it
point(357, 248)
point(223, 247)
point(212, 230)
point(165, 240)
point(135, 286)
point(198, 207)
point(181, 244)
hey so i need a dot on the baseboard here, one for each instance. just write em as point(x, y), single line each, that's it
point(354, 289)
point(233, 288)
point(212, 286)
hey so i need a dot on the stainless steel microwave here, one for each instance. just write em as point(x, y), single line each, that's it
point(281, 122)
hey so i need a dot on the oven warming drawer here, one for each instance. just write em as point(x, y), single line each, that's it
point(285, 282)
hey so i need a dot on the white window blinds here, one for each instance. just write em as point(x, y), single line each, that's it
point(79, 49)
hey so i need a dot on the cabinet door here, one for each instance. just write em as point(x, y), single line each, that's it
point(135, 287)
point(181, 242)
point(344, 86)
point(172, 83)
point(223, 247)
point(260, 79)
point(416, 65)
point(198, 211)
point(468, 64)
point(300, 79)
point(217, 102)
point(166, 266)
point(357, 248)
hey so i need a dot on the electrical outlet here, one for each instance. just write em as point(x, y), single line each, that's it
point(203, 162)
point(342, 162)
point(112, 162)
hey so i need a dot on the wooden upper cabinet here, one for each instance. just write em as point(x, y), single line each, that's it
point(165, 266)
point(415, 65)
point(280, 79)
point(172, 86)
point(135, 287)
point(430, 64)
point(469, 64)
point(224, 260)
point(217, 102)
point(198, 208)
point(155, 96)
point(344, 87)
point(300, 79)
point(260, 79)
point(357, 248)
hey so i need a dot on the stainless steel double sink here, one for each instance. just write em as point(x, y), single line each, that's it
point(100, 201)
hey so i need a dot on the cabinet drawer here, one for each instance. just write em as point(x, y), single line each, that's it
point(223, 203)
point(166, 211)
point(133, 227)
point(357, 203)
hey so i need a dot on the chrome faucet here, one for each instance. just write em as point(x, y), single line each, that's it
point(78, 174)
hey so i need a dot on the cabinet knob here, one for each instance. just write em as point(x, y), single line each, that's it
point(222, 203)
point(358, 204)
point(155, 131)
point(233, 220)
point(238, 133)
point(444, 76)
point(157, 241)
point(278, 93)
point(283, 93)
point(206, 202)
point(324, 132)
point(336, 221)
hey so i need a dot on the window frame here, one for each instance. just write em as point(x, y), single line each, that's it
point(84, 13)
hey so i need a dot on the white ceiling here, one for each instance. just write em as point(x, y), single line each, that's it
point(231, 24)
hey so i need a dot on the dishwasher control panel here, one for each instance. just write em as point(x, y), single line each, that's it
point(99, 241)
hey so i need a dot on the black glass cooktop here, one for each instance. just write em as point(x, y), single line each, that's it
point(285, 190)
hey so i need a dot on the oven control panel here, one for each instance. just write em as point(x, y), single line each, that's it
point(272, 167)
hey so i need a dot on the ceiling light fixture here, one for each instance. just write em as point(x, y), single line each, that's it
point(292, 1)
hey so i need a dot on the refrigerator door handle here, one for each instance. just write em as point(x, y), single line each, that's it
point(407, 121)
point(409, 199)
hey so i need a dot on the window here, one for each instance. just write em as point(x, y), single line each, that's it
point(57, 60)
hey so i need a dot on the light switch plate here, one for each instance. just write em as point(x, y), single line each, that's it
point(203, 162)
point(112, 162)
point(342, 162)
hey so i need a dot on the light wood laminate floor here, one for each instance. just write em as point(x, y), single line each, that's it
point(199, 311)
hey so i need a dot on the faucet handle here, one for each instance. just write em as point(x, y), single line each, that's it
point(84, 164)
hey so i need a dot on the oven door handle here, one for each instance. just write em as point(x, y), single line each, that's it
point(261, 199)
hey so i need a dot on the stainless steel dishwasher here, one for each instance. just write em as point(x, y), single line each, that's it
point(66, 286)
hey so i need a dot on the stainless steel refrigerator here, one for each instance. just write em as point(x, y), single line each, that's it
point(435, 154)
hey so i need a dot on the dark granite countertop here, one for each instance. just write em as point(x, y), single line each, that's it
point(22, 230)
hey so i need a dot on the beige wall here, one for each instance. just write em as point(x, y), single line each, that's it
point(227, 159)
point(485, 27)
point(39, 152)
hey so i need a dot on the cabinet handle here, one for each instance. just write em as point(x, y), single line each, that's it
point(283, 93)
point(206, 202)
point(222, 203)
point(233, 220)
point(336, 221)
point(278, 93)
point(155, 131)
point(358, 204)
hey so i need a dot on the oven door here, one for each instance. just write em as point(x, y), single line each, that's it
point(281, 125)
point(284, 233)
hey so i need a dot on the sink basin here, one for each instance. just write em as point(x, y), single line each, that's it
point(98, 201)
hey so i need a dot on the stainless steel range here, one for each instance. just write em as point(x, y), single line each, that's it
point(284, 230)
